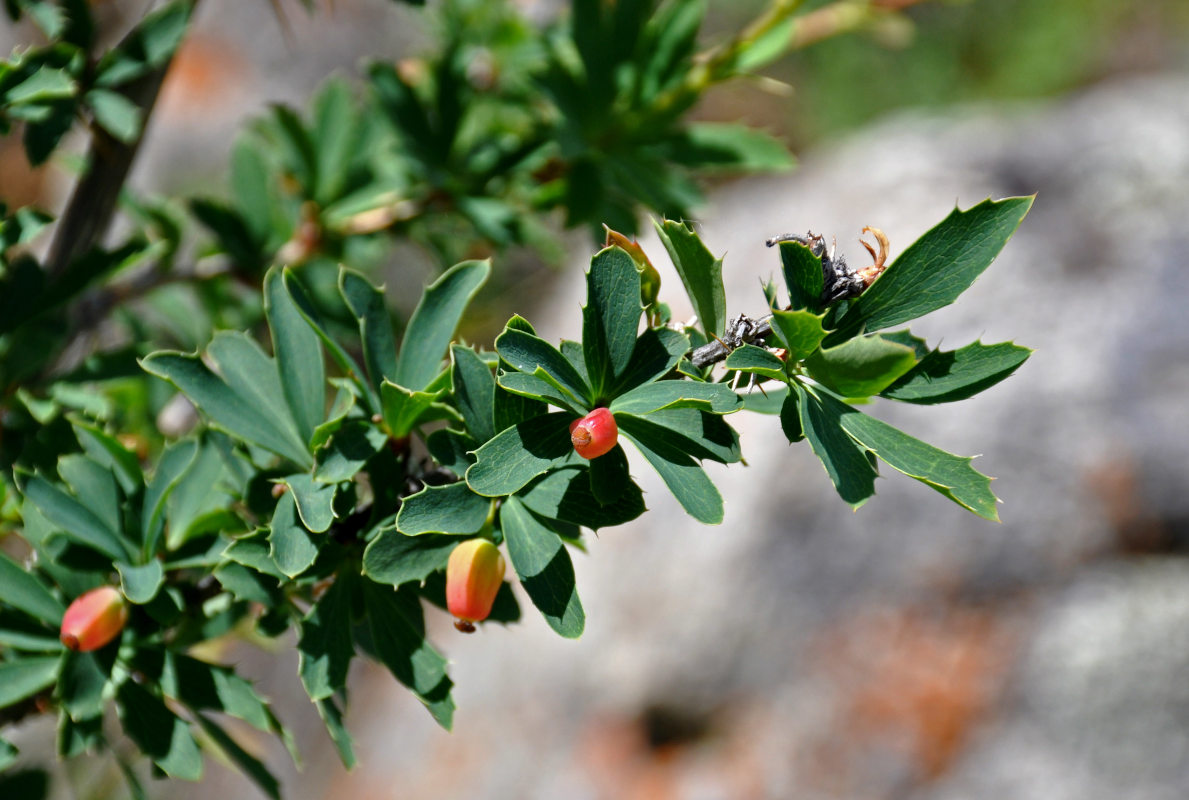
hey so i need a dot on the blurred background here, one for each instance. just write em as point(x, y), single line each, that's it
point(907, 650)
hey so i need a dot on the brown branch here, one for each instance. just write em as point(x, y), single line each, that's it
point(754, 331)
point(93, 202)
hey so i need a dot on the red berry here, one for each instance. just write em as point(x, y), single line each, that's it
point(94, 619)
point(473, 577)
point(595, 434)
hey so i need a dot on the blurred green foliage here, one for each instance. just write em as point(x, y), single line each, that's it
point(971, 50)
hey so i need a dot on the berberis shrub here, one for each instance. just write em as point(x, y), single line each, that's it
point(349, 471)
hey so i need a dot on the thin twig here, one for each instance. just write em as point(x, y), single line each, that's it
point(93, 202)
point(713, 352)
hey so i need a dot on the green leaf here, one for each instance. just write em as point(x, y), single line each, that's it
point(254, 550)
point(141, 584)
point(249, 407)
point(26, 677)
point(544, 567)
point(451, 449)
point(333, 719)
point(730, 147)
point(20, 632)
point(348, 451)
point(656, 353)
point(936, 268)
point(43, 86)
point(158, 732)
point(433, 322)
point(248, 584)
point(700, 272)
point(81, 685)
point(610, 476)
point(541, 386)
point(397, 626)
point(862, 366)
point(22, 590)
point(846, 462)
point(757, 360)
point(366, 303)
point(291, 546)
point(799, 332)
point(247, 763)
point(298, 357)
point(232, 232)
point(335, 137)
point(699, 433)
point(394, 558)
point(315, 501)
point(520, 453)
point(253, 188)
point(95, 487)
point(473, 389)
point(767, 47)
point(306, 308)
point(150, 44)
point(325, 642)
point(946, 376)
point(802, 275)
point(78, 523)
point(116, 114)
point(766, 400)
point(8, 757)
point(528, 353)
point(201, 686)
point(945, 472)
point(717, 398)
point(404, 409)
point(173, 465)
point(452, 508)
point(295, 147)
point(107, 451)
point(688, 482)
point(566, 495)
point(790, 417)
point(610, 317)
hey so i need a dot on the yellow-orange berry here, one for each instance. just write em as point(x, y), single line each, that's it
point(94, 619)
point(473, 577)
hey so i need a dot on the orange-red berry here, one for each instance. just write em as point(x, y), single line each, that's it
point(94, 619)
point(595, 434)
point(473, 577)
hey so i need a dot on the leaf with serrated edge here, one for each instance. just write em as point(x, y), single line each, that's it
point(544, 567)
point(520, 453)
point(433, 322)
point(298, 356)
point(799, 332)
point(685, 478)
point(845, 461)
point(947, 473)
point(862, 366)
point(610, 317)
point(394, 558)
point(452, 508)
point(325, 643)
point(717, 398)
point(700, 272)
point(527, 353)
point(936, 268)
point(24, 591)
point(945, 376)
point(757, 360)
